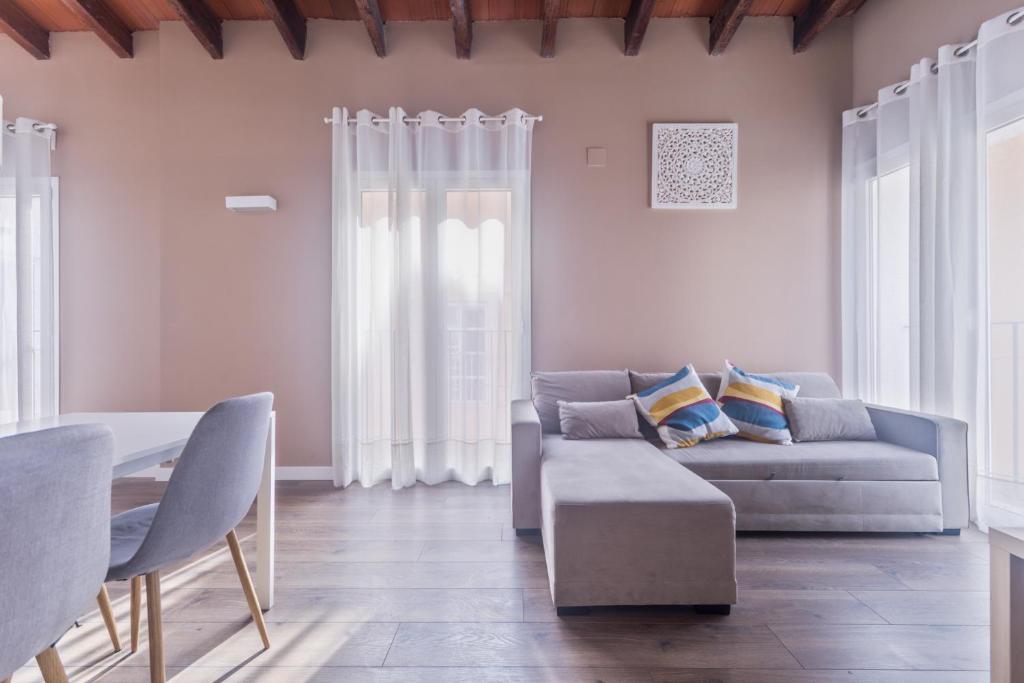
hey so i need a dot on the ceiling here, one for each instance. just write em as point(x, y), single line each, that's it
point(30, 22)
point(143, 15)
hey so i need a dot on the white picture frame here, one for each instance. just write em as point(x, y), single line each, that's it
point(694, 165)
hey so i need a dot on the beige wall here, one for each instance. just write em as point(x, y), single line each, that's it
point(171, 300)
point(890, 35)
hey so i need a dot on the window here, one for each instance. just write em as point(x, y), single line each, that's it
point(1006, 312)
point(889, 212)
point(42, 365)
point(463, 265)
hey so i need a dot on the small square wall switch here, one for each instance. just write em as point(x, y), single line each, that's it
point(596, 156)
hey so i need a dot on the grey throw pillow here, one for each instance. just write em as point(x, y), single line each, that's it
point(828, 419)
point(599, 420)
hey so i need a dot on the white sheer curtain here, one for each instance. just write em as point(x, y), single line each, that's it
point(431, 295)
point(916, 252)
point(28, 273)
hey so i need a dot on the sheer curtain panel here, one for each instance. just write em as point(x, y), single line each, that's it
point(431, 295)
point(28, 273)
point(922, 309)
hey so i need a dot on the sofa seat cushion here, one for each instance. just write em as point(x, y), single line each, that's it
point(619, 471)
point(824, 460)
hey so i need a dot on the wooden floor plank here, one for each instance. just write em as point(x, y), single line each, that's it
point(952, 608)
point(831, 646)
point(588, 644)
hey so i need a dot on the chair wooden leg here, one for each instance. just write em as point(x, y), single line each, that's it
point(108, 617)
point(247, 587)
point(136, 610)
point(51, 667)
point(156, 631)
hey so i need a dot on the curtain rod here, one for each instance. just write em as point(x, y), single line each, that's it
point(37, 127)
point(442, 119)
point(1013, 19)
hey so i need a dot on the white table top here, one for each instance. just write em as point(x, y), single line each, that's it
point(141, 440)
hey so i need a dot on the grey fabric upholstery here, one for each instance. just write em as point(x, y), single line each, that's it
point(54, 535)
point(942, 437)
point(210, 490)
point(905, 506)
point(599, 420)
point(829, 460)
point(887, 485)
point(526, 454)
point(583, 385)
point(635, 530)
point(828, 419)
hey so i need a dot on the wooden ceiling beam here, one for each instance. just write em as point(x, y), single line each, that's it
point(813, 20)
point(106, 24)
point(637, 19)
point(291, 24)
point(725, 22)
point(552, 12)
point(462, 24)
point(203, 23)
point(369, 12)
point(25, 32)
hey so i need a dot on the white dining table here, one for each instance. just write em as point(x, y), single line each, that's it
point(144, 440)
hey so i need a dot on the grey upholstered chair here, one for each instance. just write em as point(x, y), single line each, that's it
point(54, 538)
point(210, 490)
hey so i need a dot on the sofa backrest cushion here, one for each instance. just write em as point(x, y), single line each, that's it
point(641, 381)
point(812, 384)
point(574, 386)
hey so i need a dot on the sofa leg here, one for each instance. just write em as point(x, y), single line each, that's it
point(950, 532)
point(572, 611)
point(723, 610)
point(527, 532)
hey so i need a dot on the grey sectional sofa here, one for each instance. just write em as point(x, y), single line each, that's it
point(627, 522)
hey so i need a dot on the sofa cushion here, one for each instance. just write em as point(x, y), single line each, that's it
point(577, 385)
point(599, 420)
point(754, 404)
point(823, 460)
point(682, 410)
point(829, 419)
point(618, 470)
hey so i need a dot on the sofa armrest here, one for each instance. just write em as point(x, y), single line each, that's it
point(942, 437)
point(526, 452)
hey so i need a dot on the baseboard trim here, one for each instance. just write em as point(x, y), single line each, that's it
point(288, 473)
point(284, 473)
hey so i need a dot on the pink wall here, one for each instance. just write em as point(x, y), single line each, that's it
point(109, 211)
point(890, 35)
point(205, 304)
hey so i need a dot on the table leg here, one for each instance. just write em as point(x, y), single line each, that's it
point(265, 524)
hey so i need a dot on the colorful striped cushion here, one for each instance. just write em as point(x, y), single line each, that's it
point(754, 404)
point(683, 410)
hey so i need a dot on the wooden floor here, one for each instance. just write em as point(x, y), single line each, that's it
point(431, 584)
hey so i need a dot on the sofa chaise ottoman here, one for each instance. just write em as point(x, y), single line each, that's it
point(623, 525)
point(912, 479)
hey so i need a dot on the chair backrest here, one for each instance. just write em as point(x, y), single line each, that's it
point(213, 484)
point(54, 534)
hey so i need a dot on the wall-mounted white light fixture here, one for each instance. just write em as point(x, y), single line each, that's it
point(258, 203)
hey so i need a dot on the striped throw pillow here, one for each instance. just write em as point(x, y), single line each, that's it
point(682, 410)
point(754, 404)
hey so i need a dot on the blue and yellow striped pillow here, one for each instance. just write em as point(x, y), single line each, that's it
point(754, 404)
point(682, 410)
